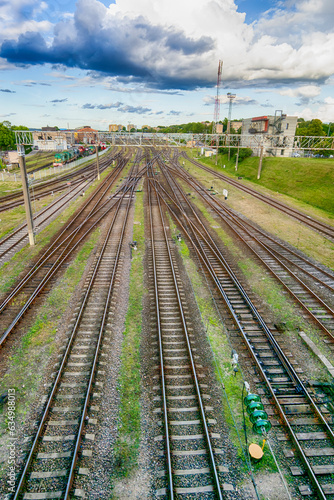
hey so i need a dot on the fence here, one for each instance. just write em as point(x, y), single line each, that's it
point(46, 172)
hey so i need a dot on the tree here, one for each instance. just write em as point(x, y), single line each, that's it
point(315, 128)
point(310, 128)
point(7, 137)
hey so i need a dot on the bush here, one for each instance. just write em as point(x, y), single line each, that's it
point(243, 153)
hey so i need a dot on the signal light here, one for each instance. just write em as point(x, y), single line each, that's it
point(257, 415)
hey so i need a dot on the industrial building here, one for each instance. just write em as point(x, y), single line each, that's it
point(274, 133)
point(115, 128)
point(51, 139)
point(86, 134)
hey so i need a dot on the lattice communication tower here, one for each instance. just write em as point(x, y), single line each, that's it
point(217, 101)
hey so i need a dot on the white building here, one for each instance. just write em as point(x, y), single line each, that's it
point(52, 140)
point(275, 133)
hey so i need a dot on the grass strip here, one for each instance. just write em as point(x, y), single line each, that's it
point(231, 383)
point(129, 430)
point(37, 344)
point(11, 269)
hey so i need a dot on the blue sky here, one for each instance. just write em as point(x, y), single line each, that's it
point(95, 62)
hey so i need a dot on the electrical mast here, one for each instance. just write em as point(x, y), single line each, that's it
point(217, 102)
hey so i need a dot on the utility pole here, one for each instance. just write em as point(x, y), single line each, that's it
point(260, 163)
point(97, 161)
point(26, 194)
point(230, 98)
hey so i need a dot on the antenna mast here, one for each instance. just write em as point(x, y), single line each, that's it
point(217, 101)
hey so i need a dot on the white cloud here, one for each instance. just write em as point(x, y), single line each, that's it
point(308, 91)
point(325, 111)
point(18, 16)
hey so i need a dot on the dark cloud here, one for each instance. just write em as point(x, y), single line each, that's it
point(8, 91)
point(134, 109)
point(59, 100)
point(119, 106)
point(178, 42)
point(132, 50)
point(174, 113)
point(30, 84)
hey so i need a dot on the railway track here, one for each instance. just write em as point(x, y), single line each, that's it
point(298, 275)
point(46, 188)
point(18, 238)
point(324, 229)
point(44, 271)
point(308, 425)
point(194, 462)
point(51, 465)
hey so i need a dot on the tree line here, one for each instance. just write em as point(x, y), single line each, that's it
point(7, 135)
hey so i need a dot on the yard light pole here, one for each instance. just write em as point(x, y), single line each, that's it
point(97, 161)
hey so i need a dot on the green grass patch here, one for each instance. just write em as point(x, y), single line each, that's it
point(129, 430)
point(231, 384)
point(8, 187)
point(309, 180)
point(21, 260)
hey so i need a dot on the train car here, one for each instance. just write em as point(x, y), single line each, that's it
point(59, 159)
point(65, 157)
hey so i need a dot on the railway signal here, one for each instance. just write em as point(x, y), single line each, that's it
point(257, 415)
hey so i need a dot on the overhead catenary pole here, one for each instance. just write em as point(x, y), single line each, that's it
point(228, 131)
point(97, 161)
point(26, 194)
point(260, 163)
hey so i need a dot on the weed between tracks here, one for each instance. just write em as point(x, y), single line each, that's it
point(11, 219)
point(276, 223)
point(231, 384)
point(38, 341)
point(280, 308)
point(21, 260)
point(30, 359)
point(128, 439)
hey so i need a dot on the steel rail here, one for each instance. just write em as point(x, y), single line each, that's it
point(243, 223)
point(63, 198)
point(318, 321)
point(46, 255)
point(306, 219)
point(290, 370)
point(87, 168)
point(162, 365)
point(64, 361)
point(100, 335)
point(45, 188)
point(192, 363)
point(50, 274)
